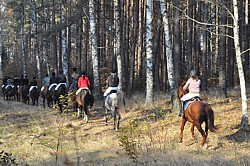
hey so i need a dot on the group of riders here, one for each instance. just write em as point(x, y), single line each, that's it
point(79, 81)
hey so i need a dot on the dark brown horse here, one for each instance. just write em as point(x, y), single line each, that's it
point(44, 95)
point(25, 94)
point(197, 112)
point(34, 95)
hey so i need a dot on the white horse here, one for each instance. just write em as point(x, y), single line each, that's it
point(115, 102)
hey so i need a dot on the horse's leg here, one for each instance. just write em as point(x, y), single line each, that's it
point(192, 130)
point(79, 110)
point(115, 119)
point(183, 122)
point(85, 108)
point(119, 118)
point(106, 116)
point(204, 135)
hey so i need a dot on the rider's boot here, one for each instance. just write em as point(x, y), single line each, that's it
point(181, 109)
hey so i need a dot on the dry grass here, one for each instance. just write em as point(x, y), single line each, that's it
point(38, 136)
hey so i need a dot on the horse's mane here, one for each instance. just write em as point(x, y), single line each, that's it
point(180, 91)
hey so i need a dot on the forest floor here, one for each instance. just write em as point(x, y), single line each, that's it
point(148, 135)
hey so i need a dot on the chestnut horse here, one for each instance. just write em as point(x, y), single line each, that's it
point(197, 112)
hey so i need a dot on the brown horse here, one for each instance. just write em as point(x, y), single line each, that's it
point(44, 95)
point(34, 95)
point(197, 112)
point(85, 101)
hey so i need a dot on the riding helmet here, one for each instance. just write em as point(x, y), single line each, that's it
point(114, 71)
point(193, 73)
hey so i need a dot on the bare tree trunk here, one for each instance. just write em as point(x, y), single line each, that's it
point(118, 44)
point(133, 48)
point(1, 47)
point(22, 38)
point(222, 54)
point(204, 49)
point(176, 41)
point(244, 120)
point(97, 83)
point(34, 21)
point(64, 52)
point(149, 52)
point(170, 63)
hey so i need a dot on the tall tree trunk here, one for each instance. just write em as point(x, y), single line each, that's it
point(54, 41)
point(34, 21)
point(170, 63)
point(45, 39)
point(118, 44)
point(1, 47)
point(97, 83)
point(176, 41)
point(244, 120)
point(149, 53)
point(222, 54)
point(204, 49)
point(133, 48)
point(64, 51)
point(22, 38)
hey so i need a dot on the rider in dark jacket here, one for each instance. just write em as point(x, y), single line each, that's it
point(53, 78)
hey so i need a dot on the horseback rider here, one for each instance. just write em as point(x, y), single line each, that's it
point(5, 80)
point(74, 77)
point(9, 82)
point(112, 83)
point(83, 83)
point(61, 79)
point(21, 80)
point(193, 86)
point(52, 80)
point(26, 81)
point(33, 84)
point(45, 82)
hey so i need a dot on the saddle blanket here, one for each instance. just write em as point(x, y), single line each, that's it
point(60, 85)
point(79, 90)
point(12, 86)
point(32, 88)
point(54, 84)
point(188, 102)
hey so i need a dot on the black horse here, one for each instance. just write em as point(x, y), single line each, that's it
point(51, 95)
point(9, 92)
point(34, 95)
point(85, 101)
point(59, 95)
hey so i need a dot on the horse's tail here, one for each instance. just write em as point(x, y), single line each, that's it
point(210, 114)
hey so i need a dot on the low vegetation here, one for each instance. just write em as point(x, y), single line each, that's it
point(148, 136)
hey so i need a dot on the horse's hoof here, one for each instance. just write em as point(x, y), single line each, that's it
point(204, 146)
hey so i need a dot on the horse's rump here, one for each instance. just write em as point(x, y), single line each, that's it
point(115, 100)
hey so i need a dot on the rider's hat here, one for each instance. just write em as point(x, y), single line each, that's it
point(193, 73)
point(114, 71)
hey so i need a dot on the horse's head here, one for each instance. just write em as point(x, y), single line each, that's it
point(180, 91)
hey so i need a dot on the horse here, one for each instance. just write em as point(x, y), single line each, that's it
point(196, 112)
point(60, 90)
point(115, 102)
point(44, 95)
point(25, 94)
point(72, 96)
point(51, 95)
point(84, 101)
point(9, 92)
point(34, 95)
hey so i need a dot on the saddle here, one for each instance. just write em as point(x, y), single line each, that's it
point(188, 102)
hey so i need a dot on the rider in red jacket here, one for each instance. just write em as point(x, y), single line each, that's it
point(83, 82)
